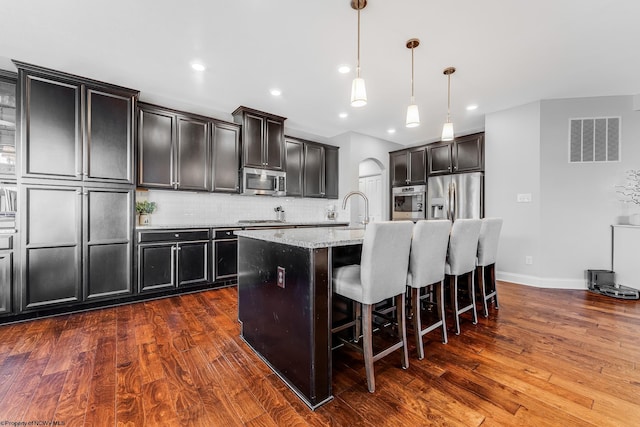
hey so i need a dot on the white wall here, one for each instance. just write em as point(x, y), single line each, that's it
point(512, 166)
point(566, 228)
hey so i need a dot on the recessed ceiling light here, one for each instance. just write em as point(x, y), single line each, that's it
point(391, 130)
point(276, 92)
point(197, 66)
point(472, 107)
point(343, 115)
point(344, 69)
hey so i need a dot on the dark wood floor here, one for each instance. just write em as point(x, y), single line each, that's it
point(547, 357)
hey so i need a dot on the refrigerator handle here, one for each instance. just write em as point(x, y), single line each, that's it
point(453, 200)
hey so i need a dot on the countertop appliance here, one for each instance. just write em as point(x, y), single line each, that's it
point(409, 202)
point(264, 182)
point(455, 196)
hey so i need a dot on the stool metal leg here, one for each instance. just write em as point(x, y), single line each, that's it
point(441, 312)
point(417, 325)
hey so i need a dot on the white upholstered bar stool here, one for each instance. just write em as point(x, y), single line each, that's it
point(382, 274)
point(461, 261)
point(426, 271)
point(487, 254)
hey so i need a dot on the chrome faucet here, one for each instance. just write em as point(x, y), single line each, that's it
point(365, 221)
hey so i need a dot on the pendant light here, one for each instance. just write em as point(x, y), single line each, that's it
point(358, 90)
point(447, 129)
point(413, 115)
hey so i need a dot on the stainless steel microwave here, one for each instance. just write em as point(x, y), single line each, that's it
point(264, 182)
point(409, 202)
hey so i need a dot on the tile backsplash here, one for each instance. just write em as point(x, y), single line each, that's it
point(186, 208)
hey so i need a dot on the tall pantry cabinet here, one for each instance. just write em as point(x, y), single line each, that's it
point(76, 188)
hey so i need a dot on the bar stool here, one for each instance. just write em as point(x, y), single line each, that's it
point(487, 254)
point(461, 261)
point(382, 274)
point(426, 271)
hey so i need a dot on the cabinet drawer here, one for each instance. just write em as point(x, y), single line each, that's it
point(6, 242)
point(173, 236)
point(225, 234)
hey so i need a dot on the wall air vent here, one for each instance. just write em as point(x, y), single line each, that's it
point(595, 139)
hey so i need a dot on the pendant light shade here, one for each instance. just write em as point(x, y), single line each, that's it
point(447, 129)
point(358, 90)
point(358, 93)
point(413, 115)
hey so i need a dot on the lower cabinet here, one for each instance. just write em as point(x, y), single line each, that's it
point(6, 276)
point(170, 259)
point(78, 243)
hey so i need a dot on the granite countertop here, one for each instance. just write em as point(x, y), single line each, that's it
point(240, 224)
point(310, 238)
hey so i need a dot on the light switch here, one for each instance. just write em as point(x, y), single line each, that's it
point(524, 197)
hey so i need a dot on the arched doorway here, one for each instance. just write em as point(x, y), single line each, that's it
point(371, 183)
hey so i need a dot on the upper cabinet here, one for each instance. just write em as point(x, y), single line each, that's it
point(74, 128)
point(312, 169)
point(7, 125)
point(464, 154)
point(262, 138)
point(408, 167)
point(225, 140)
point(173, 149)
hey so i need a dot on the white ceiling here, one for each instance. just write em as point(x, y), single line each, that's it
point(506, 52)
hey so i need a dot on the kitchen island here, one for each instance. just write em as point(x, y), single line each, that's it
point(284, 301)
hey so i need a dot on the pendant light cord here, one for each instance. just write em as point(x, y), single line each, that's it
point(412, 98)
point(448, 97)
point(358, 65)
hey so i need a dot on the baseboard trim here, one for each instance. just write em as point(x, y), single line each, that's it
point(541, 282)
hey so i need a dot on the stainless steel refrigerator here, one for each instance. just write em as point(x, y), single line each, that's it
point(455, 196)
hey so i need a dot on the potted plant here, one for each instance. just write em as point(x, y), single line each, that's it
point(144, 208)
point(630, 193)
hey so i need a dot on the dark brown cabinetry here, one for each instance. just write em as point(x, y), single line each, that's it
point(262, 138)
point(6, 274)
point(294, 155)
point(173, 258)
point(7, 125)
point(312, 169)
point(408, 167)
point(464, 154)
point(173, 149)
point(86, 126)
point(78, 243)
point(225, 140)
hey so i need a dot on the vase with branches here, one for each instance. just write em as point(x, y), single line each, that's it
point(630, 193)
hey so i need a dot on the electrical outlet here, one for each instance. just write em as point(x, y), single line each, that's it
point(528, 260)
point(281, 272)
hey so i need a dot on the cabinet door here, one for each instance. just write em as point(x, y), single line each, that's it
point(192, 263)
point(193, 154)
point(313, 170)
point(109, 141)
point(417, 166)
point(440, 160)
point(51, 245)
point(274, 144)
point(469, 153)
point(399, 169)
point(226, 157)
point(6, 281)
point(294, 166)
point(226, 259)
point(52, 139)
point(156, 267)
point(108, 259)
point(331, 166)
point(155, 148)
point(7, 125)
point(252, 140)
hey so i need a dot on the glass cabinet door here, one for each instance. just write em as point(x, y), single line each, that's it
point(7, 125)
